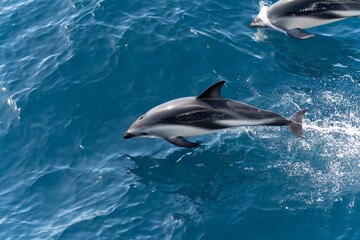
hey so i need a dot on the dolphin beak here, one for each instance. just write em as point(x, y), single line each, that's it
point(129, 135)
point(253, 23)
point(258, 23)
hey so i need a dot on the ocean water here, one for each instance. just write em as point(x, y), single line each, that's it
point(75, 74)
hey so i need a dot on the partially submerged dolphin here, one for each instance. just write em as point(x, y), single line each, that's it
point(291, 16)
point(206, 113)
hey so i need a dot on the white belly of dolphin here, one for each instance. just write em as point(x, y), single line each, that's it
point(170, 130)
point(303, 22)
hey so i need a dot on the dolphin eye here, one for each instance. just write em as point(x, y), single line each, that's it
point(140, 118)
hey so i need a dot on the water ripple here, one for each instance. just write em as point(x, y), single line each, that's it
point(74, 74)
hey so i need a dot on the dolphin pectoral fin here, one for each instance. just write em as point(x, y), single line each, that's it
point(181, 142)
point(297, 33)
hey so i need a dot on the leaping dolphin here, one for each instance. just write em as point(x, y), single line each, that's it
point(290, 16)
point(206, 113)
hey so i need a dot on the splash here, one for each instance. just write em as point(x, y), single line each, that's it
point(337, 140)
point(9, 111)
point(12, 103)
point(331, 152)
point(260, 35)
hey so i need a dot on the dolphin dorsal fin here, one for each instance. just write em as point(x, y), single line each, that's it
point(213, 91)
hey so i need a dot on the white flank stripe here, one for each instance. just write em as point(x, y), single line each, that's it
point(246, 122)
point(347, 14)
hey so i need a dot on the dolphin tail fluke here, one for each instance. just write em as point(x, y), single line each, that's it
point(295, 123)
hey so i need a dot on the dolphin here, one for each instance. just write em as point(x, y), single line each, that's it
point(291, 16)
point(209, 112)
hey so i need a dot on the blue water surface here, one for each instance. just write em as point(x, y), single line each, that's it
point(74, 74)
